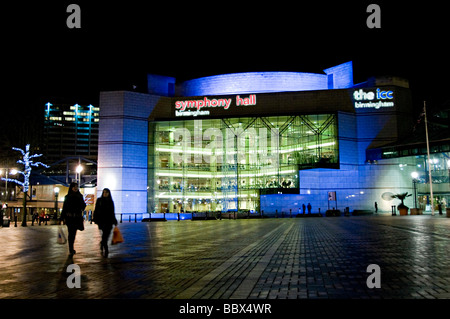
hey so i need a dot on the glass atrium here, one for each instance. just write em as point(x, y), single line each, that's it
point(224, 165)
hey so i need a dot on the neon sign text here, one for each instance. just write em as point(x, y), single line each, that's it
point(194, 107)
point(199, 104)
point(251, 100)
point(374, 100)
point(384, 95)
point(380, 95)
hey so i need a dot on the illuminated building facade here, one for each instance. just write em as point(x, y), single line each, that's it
point(252, 142)
point(70, 130)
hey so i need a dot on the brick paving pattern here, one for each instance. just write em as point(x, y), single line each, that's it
point(298, 258)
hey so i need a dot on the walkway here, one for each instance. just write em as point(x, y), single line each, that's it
point(298, 258)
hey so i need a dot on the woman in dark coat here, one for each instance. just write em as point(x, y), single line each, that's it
point(104, 217)
point(72, 214)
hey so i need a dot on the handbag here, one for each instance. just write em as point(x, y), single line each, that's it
point(61, 239)
point(80, 224)
point(117, 236)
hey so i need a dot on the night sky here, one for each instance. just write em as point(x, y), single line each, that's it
point(120, 42)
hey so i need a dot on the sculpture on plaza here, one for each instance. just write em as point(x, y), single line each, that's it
point(402, 208)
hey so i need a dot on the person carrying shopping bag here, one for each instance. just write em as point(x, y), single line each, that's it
point(72, 214)
point(105, 218)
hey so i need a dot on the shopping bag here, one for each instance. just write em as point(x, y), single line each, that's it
point(80, 224)
point(61, 239)
point(117, 236)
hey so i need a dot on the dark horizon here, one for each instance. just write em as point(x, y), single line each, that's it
point(117, 45)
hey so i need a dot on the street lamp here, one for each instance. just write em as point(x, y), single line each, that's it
point(79, 169)
point(56, 191)
point(415, 177)
point(7, 196)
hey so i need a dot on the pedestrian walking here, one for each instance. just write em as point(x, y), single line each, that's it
point(303, 208)
point(309, 208)
point(105, 218)
point(71, 214)
point(41, 217)
point(376, 207)
point(34, 218)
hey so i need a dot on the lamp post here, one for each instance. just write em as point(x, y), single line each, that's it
point(79, 169)
point(7, 197)
point(55, 216)
point(415, 177)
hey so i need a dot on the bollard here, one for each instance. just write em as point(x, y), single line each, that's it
point(393, 210)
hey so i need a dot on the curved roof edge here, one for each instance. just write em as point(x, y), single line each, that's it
point(337, 77)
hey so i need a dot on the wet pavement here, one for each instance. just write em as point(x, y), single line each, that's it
point(298, 258)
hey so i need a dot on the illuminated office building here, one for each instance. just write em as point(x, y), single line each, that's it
point(70, 130)
point(257, 141)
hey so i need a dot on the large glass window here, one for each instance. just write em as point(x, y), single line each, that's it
point(225, 164)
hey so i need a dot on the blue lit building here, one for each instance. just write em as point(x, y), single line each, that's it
point(70, 137)
point(70, 130)
point(256, 141)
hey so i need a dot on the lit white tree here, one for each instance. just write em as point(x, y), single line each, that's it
point(27, 162)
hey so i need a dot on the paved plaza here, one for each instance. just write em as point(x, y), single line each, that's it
point(298, 258)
